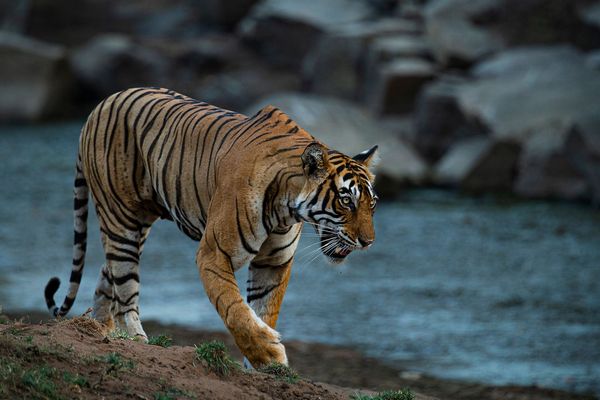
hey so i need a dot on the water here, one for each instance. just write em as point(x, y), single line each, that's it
point(478, 290)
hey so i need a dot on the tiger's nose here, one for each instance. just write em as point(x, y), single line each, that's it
point(365, 242)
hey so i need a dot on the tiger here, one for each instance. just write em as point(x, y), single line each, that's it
point(241, 186)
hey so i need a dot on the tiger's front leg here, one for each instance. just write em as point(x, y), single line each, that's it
point(258, 342)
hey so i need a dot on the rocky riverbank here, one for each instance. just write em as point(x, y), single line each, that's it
point(486, 96)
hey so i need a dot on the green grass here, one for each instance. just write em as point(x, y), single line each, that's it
point(119, 333)
point(40, 381)
point(214, 355)
point(117, 362)
point(173, 394)
point(160, 340)
point(402, 394)
point(75, 379)
point(281, 372)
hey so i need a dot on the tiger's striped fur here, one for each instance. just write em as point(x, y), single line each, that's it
point(242, 186)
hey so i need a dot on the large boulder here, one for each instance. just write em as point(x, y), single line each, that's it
point(35, 79)
point(336, 67)
point(113, 62)
point(479, 164)
point(350, 129)
point(284, 31)
point(582, 148)
point(238, 88)
point(521, 90)
point(439, 120)
point(75, 22)
point(545, 170)
point(397, 85)
point(455, 38)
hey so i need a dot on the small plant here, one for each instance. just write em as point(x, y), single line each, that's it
point(119, 333)
point(75, 379)
point(161, 340)
point(39, 380)
point(172, 394)
point(8, 369)
point(402, 394)
point(281, 372)
point(215, 355)
point(117, 362)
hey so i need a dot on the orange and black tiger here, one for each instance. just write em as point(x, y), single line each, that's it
point(241, 186)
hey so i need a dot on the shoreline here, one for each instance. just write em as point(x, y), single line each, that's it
point(347, 367)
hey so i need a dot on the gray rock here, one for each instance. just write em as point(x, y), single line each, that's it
point(238, 88)
point(545, 170)
point(283, 31)
point(455, 39)
point(112, 62)
point(397, 85)
point(439, 120)
point(335, 66)
point(350, 129)
point(524, 89)
point(478, 164)
point(35, 79)
point(582, 148)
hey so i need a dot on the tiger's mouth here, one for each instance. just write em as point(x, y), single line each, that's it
point(335, 248)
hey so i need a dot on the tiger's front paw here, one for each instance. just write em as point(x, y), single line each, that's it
point(264, 347)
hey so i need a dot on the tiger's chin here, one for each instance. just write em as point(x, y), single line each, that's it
point(335, 254)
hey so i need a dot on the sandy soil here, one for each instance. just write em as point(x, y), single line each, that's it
point(160, 370)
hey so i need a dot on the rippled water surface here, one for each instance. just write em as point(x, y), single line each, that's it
point(478, 290)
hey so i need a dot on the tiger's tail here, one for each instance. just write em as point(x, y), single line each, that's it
point(80, 213)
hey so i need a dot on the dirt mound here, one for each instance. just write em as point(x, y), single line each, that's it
point(76, 359)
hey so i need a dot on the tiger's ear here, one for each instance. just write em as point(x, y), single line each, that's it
point(368, 157)
point(315, 161)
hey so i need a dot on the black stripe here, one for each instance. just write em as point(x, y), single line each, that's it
point(115, 257)
point(125, 278)
point(262, 294)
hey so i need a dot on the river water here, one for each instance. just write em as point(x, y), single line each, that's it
point(484, 290)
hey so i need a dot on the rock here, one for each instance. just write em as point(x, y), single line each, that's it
point(591, 14)
point(398, 84)
point(478, 164)
point(75, 22)
point(283, 31)
point(350, 129)
point(335, 66)
point(238, 88)
point(545, 170)
point(582, 148)
point(455, 39)
point(112, 62)
point(226, 12)
point(439, 120)
point(35, 79)
point(523, 89)
point(593, 59)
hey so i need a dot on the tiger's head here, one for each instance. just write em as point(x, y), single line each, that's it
point(339, 200)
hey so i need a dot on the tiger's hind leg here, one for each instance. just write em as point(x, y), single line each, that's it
point(121, 248)
point(115, 308)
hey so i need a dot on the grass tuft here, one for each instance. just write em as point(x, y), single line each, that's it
point(75, 379)
point(39, 380)
point(173, 394)
point(117, 362)
point(119, 333)
point(161, 340)
point(281, 372)
point(214, 355)
point(402, 394)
